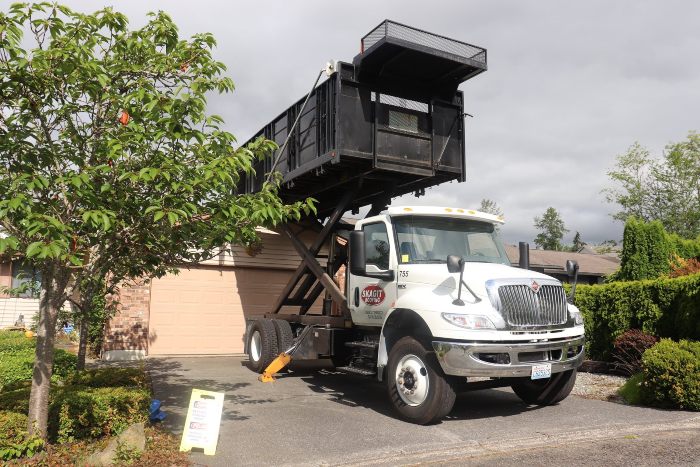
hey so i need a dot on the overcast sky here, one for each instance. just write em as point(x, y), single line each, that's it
point(569, 86)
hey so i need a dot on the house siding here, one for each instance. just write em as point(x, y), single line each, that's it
point(11, 308)
point(128, 332)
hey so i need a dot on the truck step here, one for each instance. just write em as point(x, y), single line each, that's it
point(356, 370)
point(363, 344)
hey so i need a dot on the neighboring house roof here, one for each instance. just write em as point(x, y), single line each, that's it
point(554, 262)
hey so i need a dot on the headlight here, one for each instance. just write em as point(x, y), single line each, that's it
point(576, 315)
point(468, 321)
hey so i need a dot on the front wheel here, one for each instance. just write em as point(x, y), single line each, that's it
point(417, 387)
point(546, 391)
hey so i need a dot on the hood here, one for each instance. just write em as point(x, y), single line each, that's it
point(475, 275)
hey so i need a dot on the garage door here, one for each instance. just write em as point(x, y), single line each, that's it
point(202, 310)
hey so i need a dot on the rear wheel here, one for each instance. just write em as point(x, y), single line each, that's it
point(548, 391)
point(262, 344)
point(417, 387)
point(285, 336)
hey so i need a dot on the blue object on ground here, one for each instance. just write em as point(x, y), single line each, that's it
point(154, 412)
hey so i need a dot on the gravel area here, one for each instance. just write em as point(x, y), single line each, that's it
point(598, 386)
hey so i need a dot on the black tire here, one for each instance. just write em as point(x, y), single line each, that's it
point(285, 336)
point(439, 398)
point(262, 349)
point(545, 391)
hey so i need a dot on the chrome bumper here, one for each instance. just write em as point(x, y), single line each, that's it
point(467, 359)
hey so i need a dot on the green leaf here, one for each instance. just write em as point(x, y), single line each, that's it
point(158, 216)
point(172, 217)
point(34, 248)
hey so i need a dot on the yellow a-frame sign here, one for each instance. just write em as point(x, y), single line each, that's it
point(202, 422)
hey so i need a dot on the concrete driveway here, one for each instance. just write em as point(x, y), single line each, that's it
point(312, 417)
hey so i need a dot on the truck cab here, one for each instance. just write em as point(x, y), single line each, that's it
point(438, 284)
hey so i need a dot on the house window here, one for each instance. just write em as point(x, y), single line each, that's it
point(26, 280)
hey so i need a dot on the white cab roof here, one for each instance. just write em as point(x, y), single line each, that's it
point(444, 212)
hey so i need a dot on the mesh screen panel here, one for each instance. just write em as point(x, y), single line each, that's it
point(427, 39)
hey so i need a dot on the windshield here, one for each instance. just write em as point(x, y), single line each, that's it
point(423, 239)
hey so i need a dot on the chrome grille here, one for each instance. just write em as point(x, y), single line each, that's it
point(520, 306)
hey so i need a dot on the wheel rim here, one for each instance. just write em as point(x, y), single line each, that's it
point(255, 346)
point(412, 381)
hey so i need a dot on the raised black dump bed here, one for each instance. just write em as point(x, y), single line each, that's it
point(388, 124)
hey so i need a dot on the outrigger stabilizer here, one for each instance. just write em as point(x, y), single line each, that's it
point(284, 358)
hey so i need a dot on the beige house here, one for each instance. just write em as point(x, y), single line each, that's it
point(202, 310)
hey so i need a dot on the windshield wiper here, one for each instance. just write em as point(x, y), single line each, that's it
point(428, 261)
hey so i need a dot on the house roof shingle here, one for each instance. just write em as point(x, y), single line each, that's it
point(555, 261)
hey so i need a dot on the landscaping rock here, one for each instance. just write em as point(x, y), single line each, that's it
point(132, 439)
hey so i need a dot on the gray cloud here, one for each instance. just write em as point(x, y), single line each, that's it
point(569, 86)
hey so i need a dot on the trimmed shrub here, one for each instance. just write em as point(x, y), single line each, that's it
point(646, 250)
point(90, 404)
point(662, 307)
point(672, 375)
point(100, 378)
point(14, 440)
point(628, 351)
point(78, 412)
point(18, 365)
point(631, 391)
point(17, 359)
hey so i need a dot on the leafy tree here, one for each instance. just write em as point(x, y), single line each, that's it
point(665, 189)
point(552, 230)
point(578, 243)
point(490, 207)
point(110, 166)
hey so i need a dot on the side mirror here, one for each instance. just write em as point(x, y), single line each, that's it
point(571, 268)
point(572, 271)
point(358, 258)
point(454, 263)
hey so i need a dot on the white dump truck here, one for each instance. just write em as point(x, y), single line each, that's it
point(428, 300)
point(434, 302)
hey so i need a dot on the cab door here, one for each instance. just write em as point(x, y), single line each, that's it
point(369, 298)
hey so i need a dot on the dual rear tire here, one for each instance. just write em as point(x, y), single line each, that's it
point(265, 340)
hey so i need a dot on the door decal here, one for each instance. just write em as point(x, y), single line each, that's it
point(373, 295)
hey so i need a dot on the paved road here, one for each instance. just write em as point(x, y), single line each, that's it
point(324, 418)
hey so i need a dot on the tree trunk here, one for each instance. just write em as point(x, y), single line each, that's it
point(82, 346)
point(53, 287)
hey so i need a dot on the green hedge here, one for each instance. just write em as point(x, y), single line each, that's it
point(672, 375)
point(79, 412)
point(648, 250)
point(90, 404)
point(17, 361)
point(662, 307)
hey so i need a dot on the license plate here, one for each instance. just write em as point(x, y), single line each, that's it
point(541, 371)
